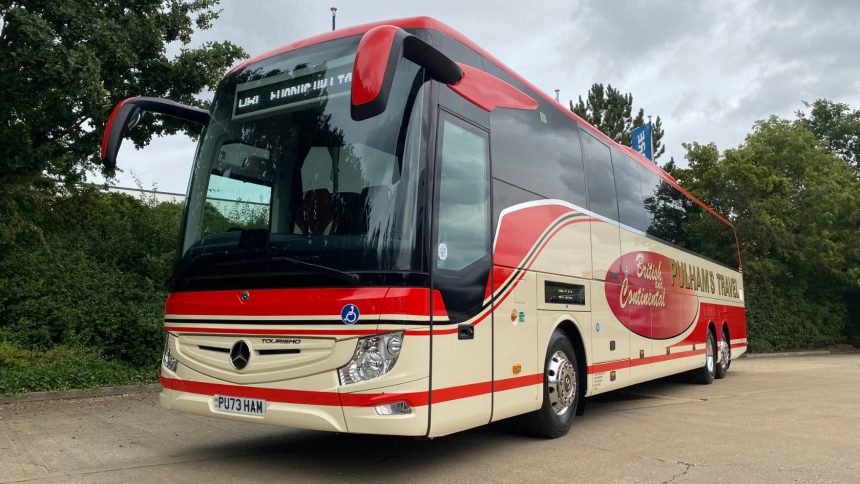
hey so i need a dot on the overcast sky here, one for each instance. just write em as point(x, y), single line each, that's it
point(709, 70)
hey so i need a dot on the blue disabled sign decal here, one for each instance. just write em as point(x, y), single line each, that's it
point(349, 314)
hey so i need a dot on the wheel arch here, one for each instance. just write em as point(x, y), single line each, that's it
point(571, 330)
point(712, 328)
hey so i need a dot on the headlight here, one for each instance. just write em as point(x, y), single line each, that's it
point(374, 356)
point(167, 358)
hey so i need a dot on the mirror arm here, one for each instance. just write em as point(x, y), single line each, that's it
point(125, 111)
point(440, 67)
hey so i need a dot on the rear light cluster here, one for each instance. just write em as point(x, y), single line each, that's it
point(374, 356)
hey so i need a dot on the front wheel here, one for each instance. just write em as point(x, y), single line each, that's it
point(705, 375)
point(562, 389)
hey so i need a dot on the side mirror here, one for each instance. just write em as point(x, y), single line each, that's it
point(127, 113)
point(376, 59)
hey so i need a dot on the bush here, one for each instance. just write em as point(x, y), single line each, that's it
point(96, 279)
point(784, 316)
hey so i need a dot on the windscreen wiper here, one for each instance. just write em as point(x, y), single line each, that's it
point(319, 269)
point(243, 257)
point(271, 255)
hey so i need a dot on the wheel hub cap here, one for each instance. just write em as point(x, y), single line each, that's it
point(561, 383)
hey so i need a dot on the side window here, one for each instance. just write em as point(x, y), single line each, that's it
point(462, 231)
point(538, 151)
point(631, 199)
point(601, 180)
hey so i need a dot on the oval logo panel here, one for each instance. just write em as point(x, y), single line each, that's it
point(648, 302)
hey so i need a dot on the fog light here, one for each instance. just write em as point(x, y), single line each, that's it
point(374, 356)
point(167, 358)
point(396, 408)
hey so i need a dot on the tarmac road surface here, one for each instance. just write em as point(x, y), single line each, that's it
point(771, 420)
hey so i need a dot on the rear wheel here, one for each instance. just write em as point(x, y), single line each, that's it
point(562, 389)
point(705, 375)
point(725, 355)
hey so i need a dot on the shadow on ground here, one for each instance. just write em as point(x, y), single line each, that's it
point(386, 457)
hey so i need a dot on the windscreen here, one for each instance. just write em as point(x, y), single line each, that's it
point(283, 166)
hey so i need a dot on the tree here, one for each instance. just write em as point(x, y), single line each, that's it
point(609, 110)
point(838, 127)
point(64, 64)
point(796, 210)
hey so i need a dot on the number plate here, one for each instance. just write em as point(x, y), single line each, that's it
point(239, 405)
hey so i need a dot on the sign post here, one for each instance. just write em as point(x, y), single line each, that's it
point(640, 140)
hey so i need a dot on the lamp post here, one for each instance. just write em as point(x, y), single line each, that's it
point(557, 91)
point(333, 14)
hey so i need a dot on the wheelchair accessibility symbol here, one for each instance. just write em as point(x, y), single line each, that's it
point(349, 314)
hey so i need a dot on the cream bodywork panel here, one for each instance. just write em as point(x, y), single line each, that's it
point(459, 362)
point(516, 343)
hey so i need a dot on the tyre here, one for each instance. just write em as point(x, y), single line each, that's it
point(705, 375)
point(562, 389)
point(725, 355)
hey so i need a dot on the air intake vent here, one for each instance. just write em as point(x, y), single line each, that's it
point(214, 348)
point(288, 351)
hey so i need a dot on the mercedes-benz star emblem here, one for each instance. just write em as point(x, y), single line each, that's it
point(240, 353)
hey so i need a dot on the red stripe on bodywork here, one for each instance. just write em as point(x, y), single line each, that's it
point(268, 331)
point(307, 397)
point(462, 391)
point(518, 382)
point(628, 363)
point(268, 394)
point(299, 332)
point(306, 302)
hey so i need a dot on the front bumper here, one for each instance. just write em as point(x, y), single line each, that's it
point(331, 410)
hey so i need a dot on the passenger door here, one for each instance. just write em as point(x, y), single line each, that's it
point(461, 365)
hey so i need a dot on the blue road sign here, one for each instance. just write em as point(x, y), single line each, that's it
point(640, 140)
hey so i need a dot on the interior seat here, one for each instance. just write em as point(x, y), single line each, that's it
point(316, 212)
point(349, 217)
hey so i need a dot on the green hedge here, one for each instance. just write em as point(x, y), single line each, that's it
point(89, 282)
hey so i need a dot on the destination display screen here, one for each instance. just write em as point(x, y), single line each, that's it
point(559, 293)
point(295, 89)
